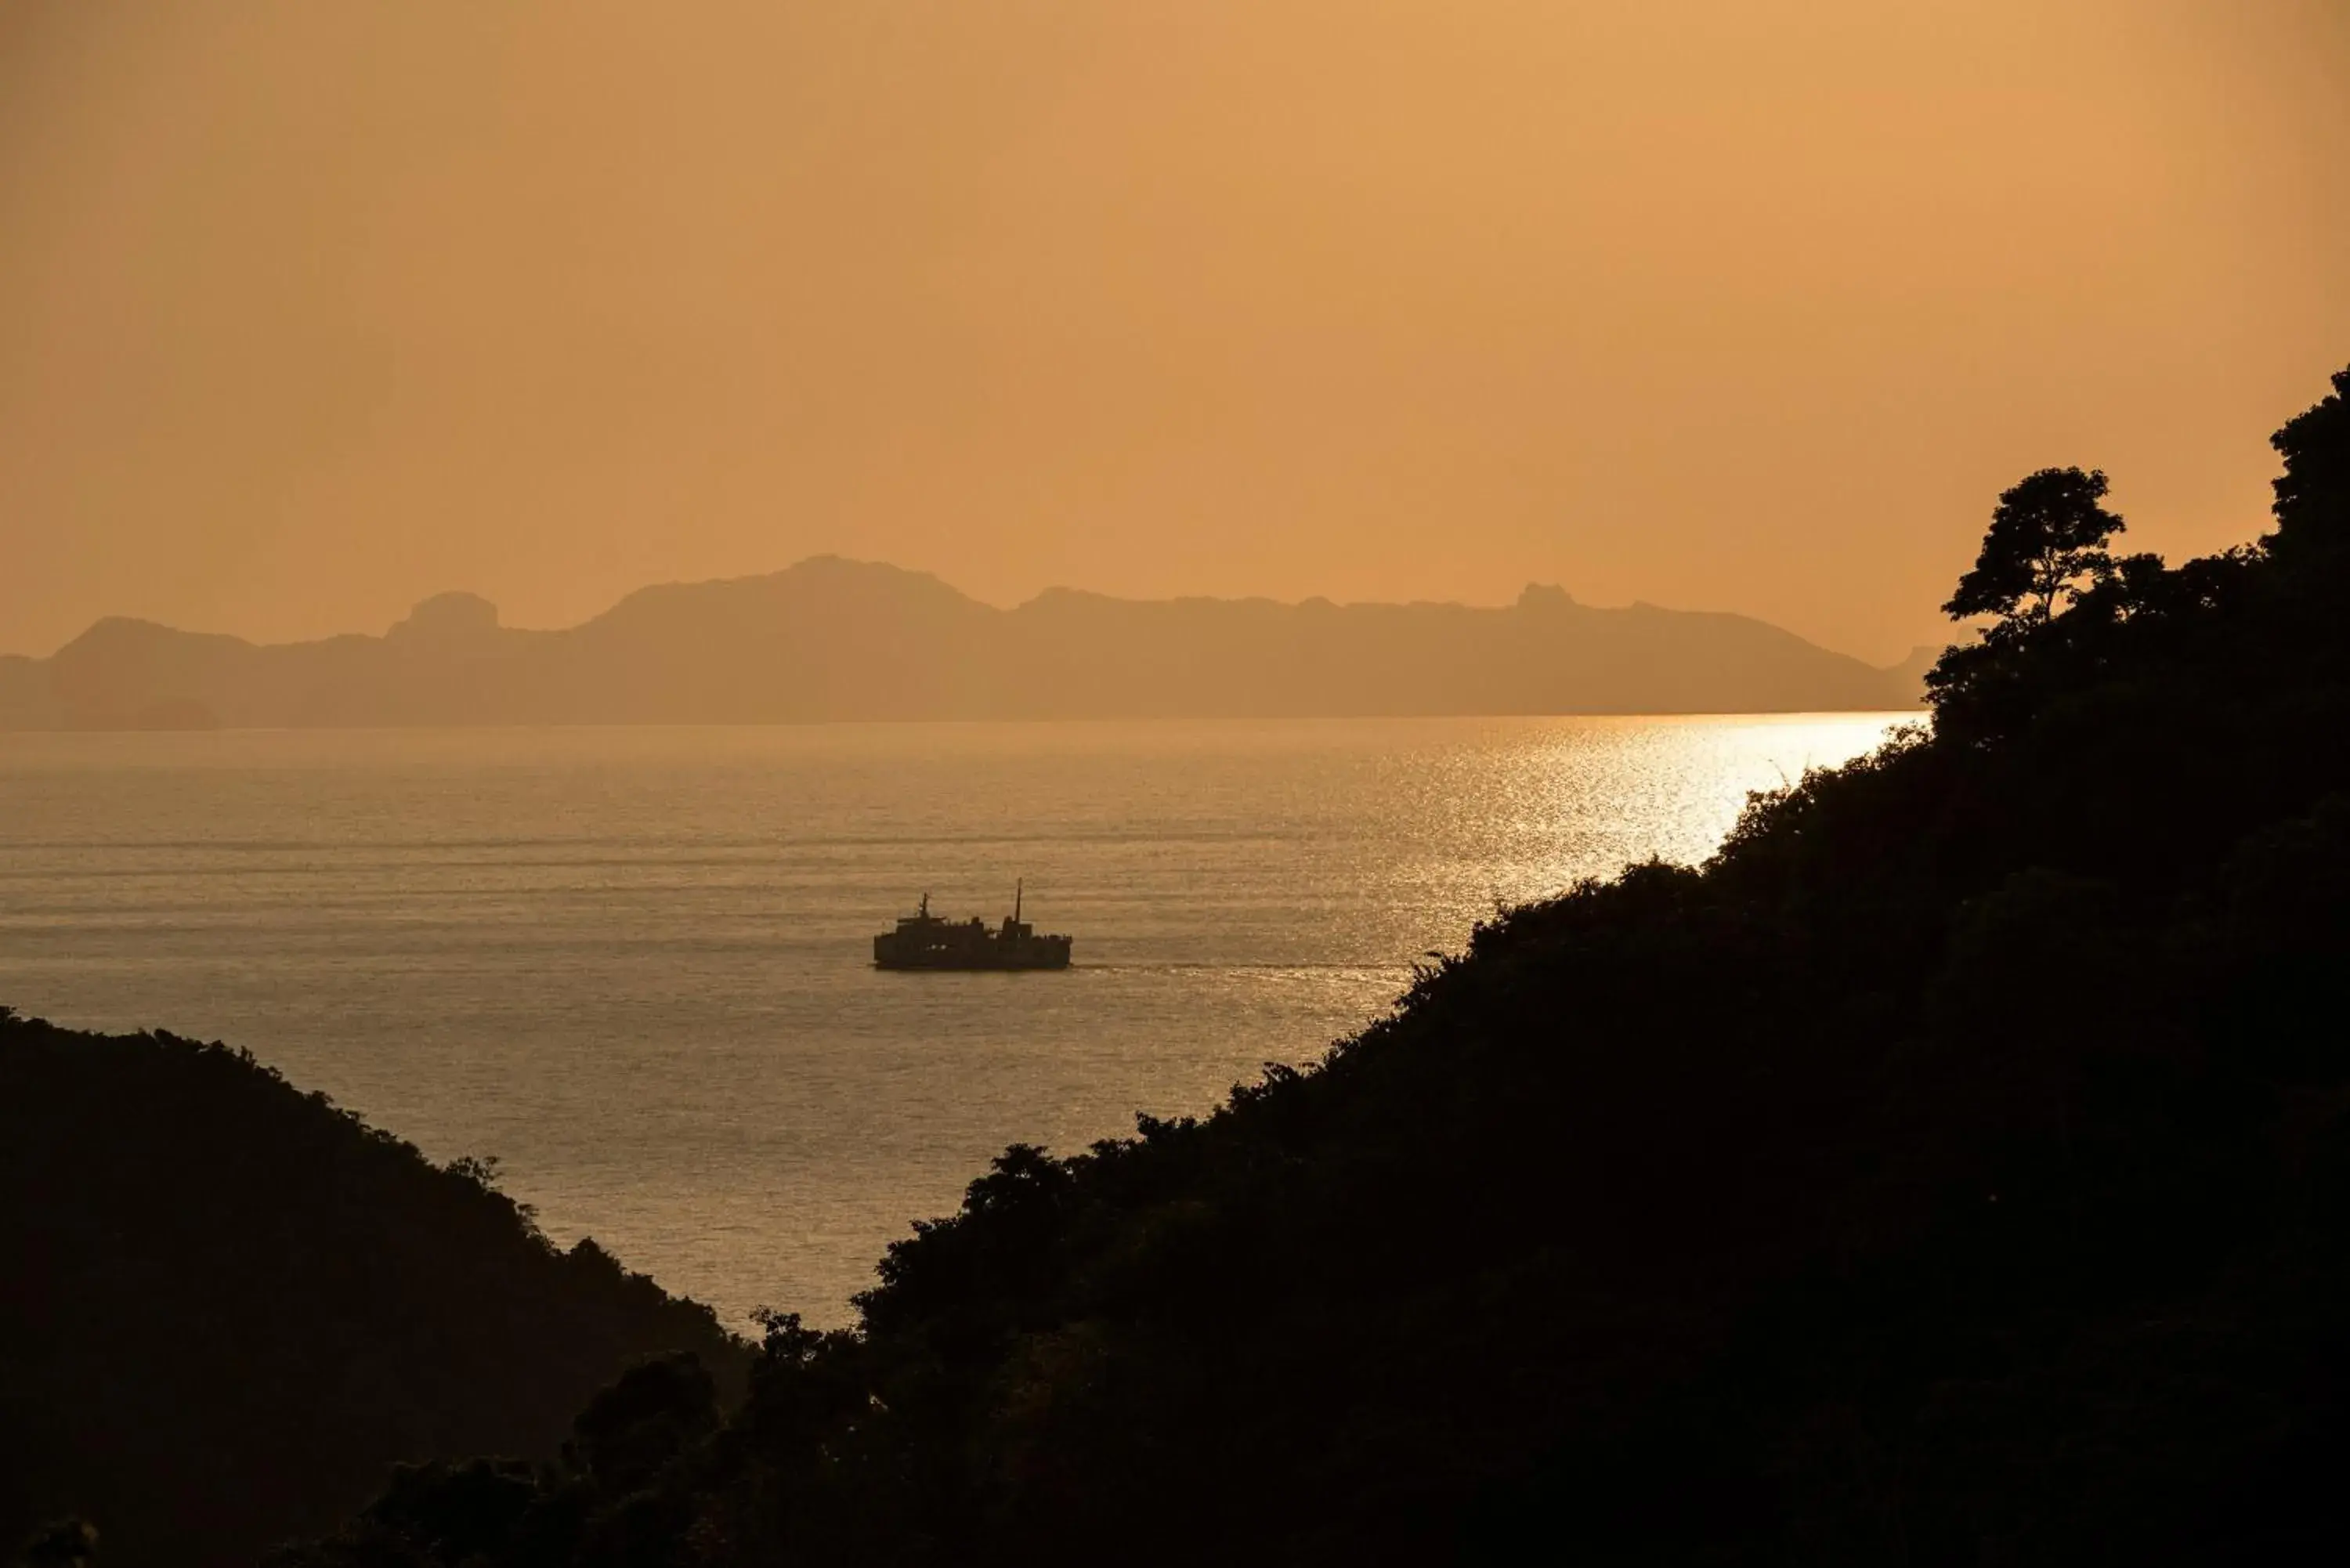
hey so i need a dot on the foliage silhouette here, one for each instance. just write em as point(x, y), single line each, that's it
point(64, 1544)
point(229, 1307)
point(2047, 534)
point(2313, 494)
point(1955, 1170)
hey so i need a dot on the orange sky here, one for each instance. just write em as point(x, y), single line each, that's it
point(308, 310)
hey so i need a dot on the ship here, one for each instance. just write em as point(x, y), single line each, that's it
point(924, 940)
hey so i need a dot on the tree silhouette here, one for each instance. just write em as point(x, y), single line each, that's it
point(68, 1543)
point(2313, 494)
point(2047, 534)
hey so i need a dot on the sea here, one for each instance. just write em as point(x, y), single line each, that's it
point(634, 964)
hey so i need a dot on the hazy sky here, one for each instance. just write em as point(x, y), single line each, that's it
point(309, 308)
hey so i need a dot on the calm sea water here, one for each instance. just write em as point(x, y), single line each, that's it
point(634, 962)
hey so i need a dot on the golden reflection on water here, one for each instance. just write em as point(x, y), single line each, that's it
point(632, 962)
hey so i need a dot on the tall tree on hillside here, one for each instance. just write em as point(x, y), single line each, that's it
point(2047, 542)
point(2313, 494)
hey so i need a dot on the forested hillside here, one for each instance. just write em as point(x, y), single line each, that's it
point(228, 1308)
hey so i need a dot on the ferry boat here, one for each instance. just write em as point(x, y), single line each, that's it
point(924, 940)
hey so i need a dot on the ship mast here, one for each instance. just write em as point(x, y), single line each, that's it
point(1018, 887)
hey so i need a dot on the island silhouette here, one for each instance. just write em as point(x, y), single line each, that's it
point(831, 638)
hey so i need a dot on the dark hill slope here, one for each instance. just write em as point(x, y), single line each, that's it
point(835, 639)
point(1956, 1170)
point(227, 1308)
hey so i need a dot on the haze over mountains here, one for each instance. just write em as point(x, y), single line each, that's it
point(838, 639)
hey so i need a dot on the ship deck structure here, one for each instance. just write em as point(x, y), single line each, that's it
point(926, 942)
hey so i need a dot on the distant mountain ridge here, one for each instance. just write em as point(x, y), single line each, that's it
point(831, 638)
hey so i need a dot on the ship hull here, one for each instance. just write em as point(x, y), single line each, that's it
point(986, 953)
point(950, 961)
point(1036, 953)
